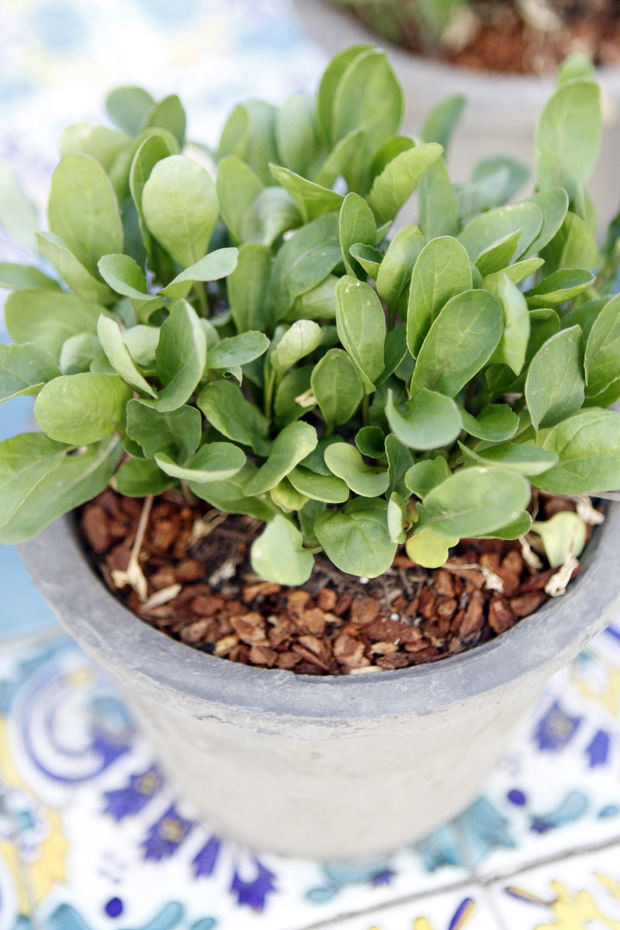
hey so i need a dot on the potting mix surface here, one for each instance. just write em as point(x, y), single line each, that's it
point(92, 837)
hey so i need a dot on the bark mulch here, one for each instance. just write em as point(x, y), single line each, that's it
point(202, 591)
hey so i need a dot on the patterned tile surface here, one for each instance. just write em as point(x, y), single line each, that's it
point(91, 838)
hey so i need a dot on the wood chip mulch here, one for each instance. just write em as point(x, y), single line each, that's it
point(202, 591)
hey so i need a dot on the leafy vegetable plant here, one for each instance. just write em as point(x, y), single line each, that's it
point(268, 343)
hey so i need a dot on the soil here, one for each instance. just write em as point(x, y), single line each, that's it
point(493, 36)
point(202, 591)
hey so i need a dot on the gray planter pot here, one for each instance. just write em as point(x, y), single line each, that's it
point(331, 768)
point(502, 109)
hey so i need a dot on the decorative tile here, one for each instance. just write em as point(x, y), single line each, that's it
point(71, 757)
point(465, 909)
point(578, 893)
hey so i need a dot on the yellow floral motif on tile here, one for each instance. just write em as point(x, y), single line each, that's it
point(48, 868)
point(608, 695)
point(576, 912)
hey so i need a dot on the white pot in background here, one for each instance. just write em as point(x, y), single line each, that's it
point(502, 109)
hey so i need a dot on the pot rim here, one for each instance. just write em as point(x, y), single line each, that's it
point(551, 636)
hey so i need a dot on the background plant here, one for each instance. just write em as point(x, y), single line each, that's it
point(263, 342)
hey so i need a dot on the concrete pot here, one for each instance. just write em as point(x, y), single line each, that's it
point(502, 109)
point(329, 768)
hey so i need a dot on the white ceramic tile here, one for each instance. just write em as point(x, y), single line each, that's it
point(577, 893)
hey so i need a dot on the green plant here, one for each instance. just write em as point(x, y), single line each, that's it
point(268, 376)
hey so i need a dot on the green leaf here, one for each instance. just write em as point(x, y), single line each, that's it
point(176, 433)
point(326, 488)
point(213, 267)
point(442, 120)
point(396, 183)
point(489, 228)
point(496, 423)
point(554, 388)
point(230, 496)
point(75, 480)
point(367, 257)
point(180, 207)
point(302, 263)
point(512, 347)
point(226, 408)
point(72, 272)
point(439, 202)
point(329, 84)
point(396, 517)
point(82, 210)
point(422, 477)
point(18, 214)
point(311, 199)
point(515, 174)
point(340, 159)
point(292, 387)
point(271, 214)
point(215, 461)
point(459, 343)
point(111, 339)
point(83, 408)
point(559, 287)
point(237, 186)
point(79, 352)
point(357, 225)
point(247, 287)
point(124, 276)
point(180, 358)
point(573, 246)
point(300, 340)
point(554, 205)
point(397, 265)
point(369, 97)
point(278, 554)
point(584, 315)
point(25, 460)
point(515, 273)
point(346, 462)
point(23, 277)
point(498, 256)
point(289, 448)
point(428, 548)
point(568, 137)
point(370, 440)
point(441, 271)
point(139, 478)
point(430, 420)
point(128, 107)
point(24, 369)
point(152, 150)
point(317, 304)
point(400, 461)
point(602, 360)
point(296, 134)
point(48, 318)
point(287, 498)
point(357, 540)
point(575, 65)
point(238, 350)
point(562, 535)
point(249, 133)
point(475, 501)
point(525, 459)
point(142, 344)
point(514, 530)
point(101, 143)
point(588, 445)
point(168, 114)
point(361, 328)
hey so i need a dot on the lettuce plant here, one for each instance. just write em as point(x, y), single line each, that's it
point(267, 343)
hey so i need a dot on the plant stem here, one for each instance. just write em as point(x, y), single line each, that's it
point(201, 294)
point(366, 409)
